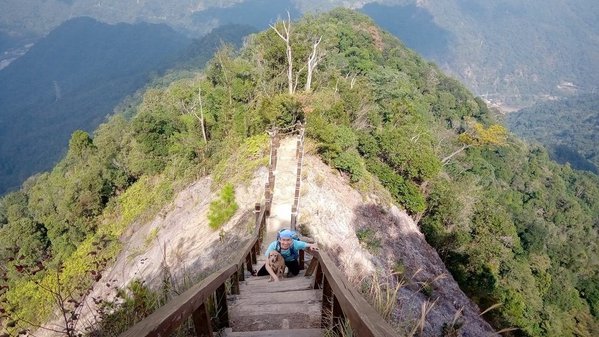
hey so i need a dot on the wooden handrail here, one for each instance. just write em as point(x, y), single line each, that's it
point(170, 316)
point(192, 302)
point(342, 300)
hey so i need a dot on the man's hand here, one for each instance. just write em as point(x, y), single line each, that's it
point(313, 247)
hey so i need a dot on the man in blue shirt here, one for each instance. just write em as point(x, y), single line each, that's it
point(289, 249)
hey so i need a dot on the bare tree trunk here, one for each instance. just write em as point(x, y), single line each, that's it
point(312, 63)
point(286, 37)
point(202, 115)
point(297, 75)
point(445, 160)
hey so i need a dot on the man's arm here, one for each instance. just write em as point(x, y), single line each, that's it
point(312, 247)
point(305, 246)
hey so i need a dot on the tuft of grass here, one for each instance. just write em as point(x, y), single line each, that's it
point(419, 325)
point(319, 180)
point(368, 237)
point(427, 287)
point(452, 329)
point(383, 294)
point(341, 330)
point(223, 208)
point(151, 237)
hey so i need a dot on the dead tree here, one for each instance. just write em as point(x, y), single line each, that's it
point(313, 60)
point(201, 117)
point(286, 37)
point(190, 108)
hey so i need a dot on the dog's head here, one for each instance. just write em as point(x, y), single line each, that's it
point(274, 257)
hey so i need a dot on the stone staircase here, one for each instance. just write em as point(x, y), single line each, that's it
point(286, 308)
point(289, 307)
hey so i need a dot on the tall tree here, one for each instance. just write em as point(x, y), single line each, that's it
point(287, 37)
point(313, 60)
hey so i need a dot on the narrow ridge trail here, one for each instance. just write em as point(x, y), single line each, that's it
point(289, 307)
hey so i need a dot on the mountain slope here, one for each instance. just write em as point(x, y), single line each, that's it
point(509, 52)
point(510, 225)
point(75, 77)
point(71, 80)
point(569, 128)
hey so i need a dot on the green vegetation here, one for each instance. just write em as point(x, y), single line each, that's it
point(368, 237)
point(510, 51)
point(223, 208)
point(512, 226)
point(568, 128)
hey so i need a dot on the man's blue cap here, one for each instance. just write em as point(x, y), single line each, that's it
point(287, 234)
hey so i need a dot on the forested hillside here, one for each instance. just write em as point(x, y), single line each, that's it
point(569, 128)
point(71, 80)
point(518, 231)
point(510, 51)
point(74, 78)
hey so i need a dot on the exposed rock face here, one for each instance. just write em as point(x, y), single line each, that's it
point(332, 211)
point(177, 246)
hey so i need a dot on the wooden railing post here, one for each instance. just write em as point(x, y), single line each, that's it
point(201, 322)
point(254, 255)
point(257, 211)
point(338, 317)
point(222, 310)
point(235, 283)
point(327, 304)
point(311, 267)
point(293, 219)
point(318, 277)
point(248, 262)
point(301, 259)
point(241, 272)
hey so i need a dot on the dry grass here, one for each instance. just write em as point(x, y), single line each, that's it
point(427, 287)
point(453, 329)
point(496, 305)
point(342, 329)
point(418, 327)
point(382, 293)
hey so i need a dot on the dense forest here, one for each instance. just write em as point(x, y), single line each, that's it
point(518, 231)
point(569, 128)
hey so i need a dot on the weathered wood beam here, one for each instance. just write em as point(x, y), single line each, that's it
point(170, 316)
point(364, 320)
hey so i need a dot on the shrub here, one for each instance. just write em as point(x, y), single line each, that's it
point(405, 192)
point(223, 208)
point(351, 163)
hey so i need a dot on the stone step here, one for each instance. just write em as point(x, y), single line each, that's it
point(307, 296)
point(260, 284)
point(276, 333)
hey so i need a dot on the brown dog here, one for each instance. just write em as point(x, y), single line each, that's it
point(277, 263)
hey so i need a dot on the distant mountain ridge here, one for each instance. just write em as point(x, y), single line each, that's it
point(71, 80)
point(510, 52)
